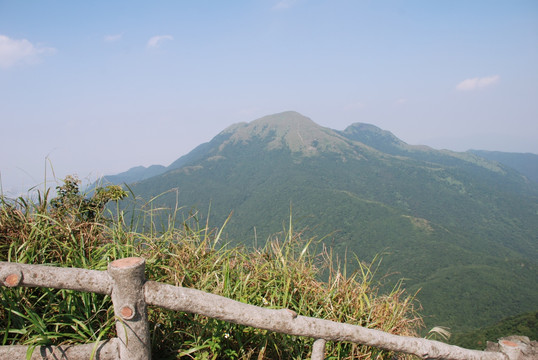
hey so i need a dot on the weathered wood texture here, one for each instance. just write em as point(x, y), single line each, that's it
point(104, 350)
point(517, 347)
point(98, 282)
point(131, 294)
point(318, 349)
point(288, 322)
point(129, 304)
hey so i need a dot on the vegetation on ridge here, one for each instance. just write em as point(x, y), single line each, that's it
point(74, 230)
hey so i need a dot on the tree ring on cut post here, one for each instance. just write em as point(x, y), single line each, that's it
point(127, 312)
point(12, 280)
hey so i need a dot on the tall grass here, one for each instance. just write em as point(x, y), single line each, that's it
point(286, 272)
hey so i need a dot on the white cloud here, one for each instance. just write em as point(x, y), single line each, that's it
point(477, 83)
point(13, 51)
point(157, 40)
point(113, 38)
point(400, 101)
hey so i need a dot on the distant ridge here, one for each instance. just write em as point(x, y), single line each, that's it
point(134, 174)
point(525, 163)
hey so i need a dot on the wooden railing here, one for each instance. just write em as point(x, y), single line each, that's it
point(131, 294)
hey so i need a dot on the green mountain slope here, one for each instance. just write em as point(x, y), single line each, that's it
point(455, 225)
point(523, 325)
point(525, 163)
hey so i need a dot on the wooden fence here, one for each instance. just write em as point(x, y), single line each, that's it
point(131, 294)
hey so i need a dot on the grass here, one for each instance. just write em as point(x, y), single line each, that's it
point(77, 230)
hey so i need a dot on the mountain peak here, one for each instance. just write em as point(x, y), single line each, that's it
point(288, 129)
point(285, 119)
point(281, 123)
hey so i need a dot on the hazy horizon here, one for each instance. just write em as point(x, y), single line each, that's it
point(98, 88)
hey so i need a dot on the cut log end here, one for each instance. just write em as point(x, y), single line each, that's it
point(509, 343)
point(127, 262)
point(12, 280)
point(127, 312)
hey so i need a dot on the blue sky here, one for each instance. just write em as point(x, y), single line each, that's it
point(94, 88)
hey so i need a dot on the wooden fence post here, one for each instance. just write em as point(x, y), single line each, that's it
point(130, 308)
point(318, 349)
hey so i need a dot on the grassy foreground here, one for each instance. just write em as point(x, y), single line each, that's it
point(78, 230)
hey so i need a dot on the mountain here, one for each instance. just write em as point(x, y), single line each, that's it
point(134, 174)
point(525, 163)
point(459, 227)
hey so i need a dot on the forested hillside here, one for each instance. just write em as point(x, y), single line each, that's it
point(523, 325)
point(458, 228)
point(525, 163)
